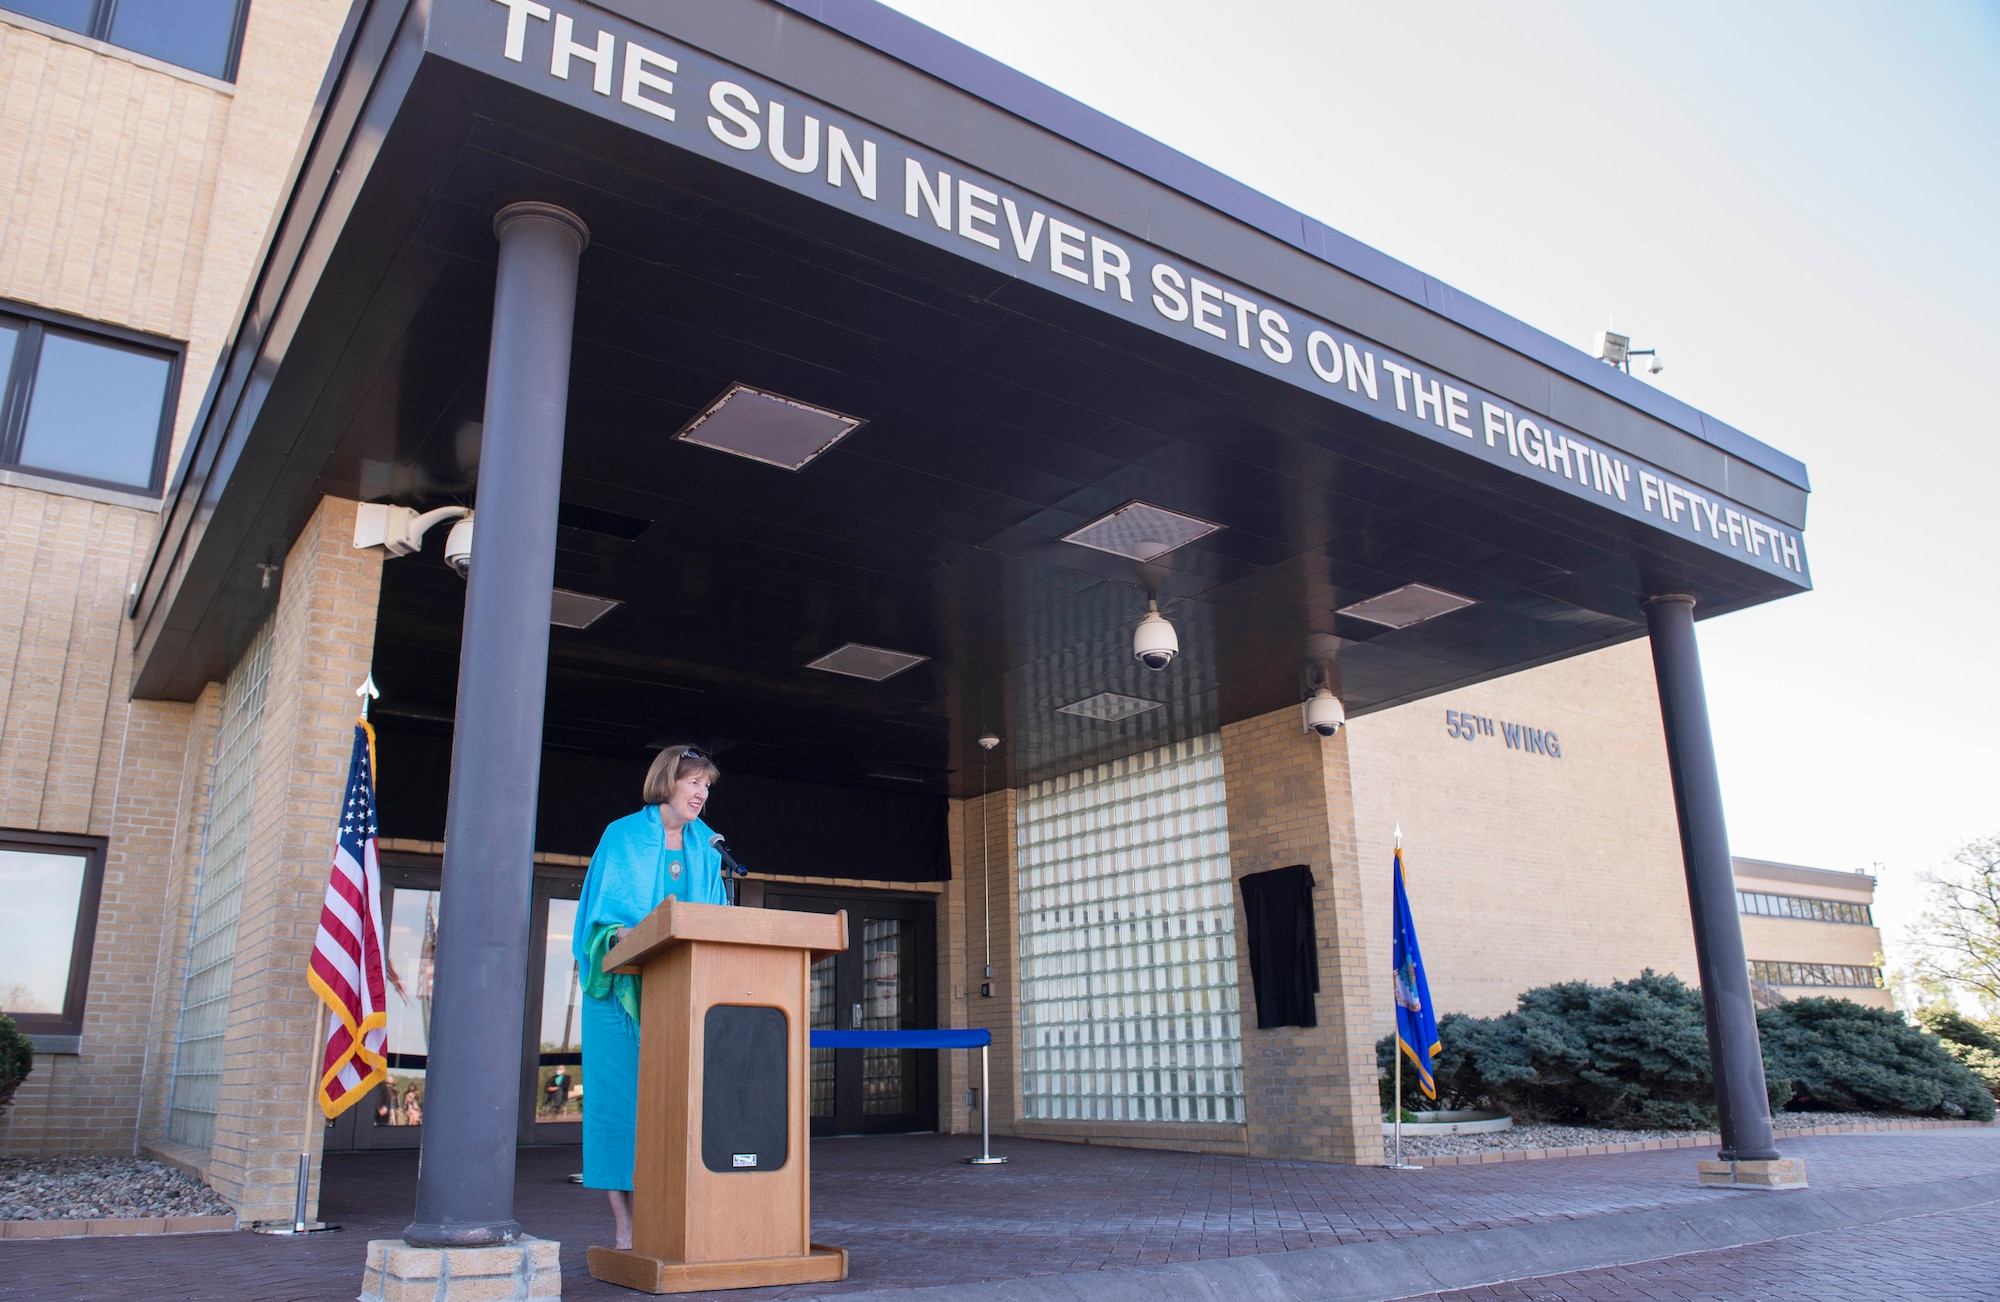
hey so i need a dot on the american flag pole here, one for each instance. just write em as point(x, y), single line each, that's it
point(346, 969)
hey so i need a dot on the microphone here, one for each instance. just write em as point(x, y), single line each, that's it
point(729, 863)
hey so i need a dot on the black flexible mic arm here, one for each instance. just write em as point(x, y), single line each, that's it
point(730, 866)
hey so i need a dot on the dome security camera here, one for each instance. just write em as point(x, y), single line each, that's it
point(1154, 643)
point(1325, 713)
point(458, 547)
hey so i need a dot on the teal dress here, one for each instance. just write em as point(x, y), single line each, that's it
point(632, 871)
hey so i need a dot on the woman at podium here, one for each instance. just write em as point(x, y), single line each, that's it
point(662, 850)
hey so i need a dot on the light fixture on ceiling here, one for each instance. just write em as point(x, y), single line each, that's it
point(874, 663)
point(1140, 531)
point(1413, 603)
point(1108, 707)
point(767, 427)
point(578, 609)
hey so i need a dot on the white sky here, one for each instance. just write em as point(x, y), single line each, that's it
point(1799, 206)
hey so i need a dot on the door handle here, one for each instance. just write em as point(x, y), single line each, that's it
point(855, 1025)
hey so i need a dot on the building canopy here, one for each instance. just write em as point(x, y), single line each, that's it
point(986, 318)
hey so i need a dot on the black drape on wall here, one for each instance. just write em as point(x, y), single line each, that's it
point(774, 825)
point(1284, 952)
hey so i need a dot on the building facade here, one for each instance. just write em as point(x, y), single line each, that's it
point(170, 843)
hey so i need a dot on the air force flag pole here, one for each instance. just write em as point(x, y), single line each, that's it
point(1416, 1019)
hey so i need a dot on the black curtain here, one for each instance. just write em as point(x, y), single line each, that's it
point(775, 825)
point(1284, 952)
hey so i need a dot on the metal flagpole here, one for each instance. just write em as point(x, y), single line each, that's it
point(299, 1224)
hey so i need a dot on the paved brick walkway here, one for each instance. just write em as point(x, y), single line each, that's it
point(1948, 1256)
point(911, 1214)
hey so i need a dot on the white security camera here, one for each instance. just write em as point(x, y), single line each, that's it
point(1154, 642)
point(458, 547)
point(1325, 713)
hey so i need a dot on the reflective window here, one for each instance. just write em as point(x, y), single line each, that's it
point(94, 410)
point(85, 406)
point(1814, 974)
point(50, 885)
point(201, 35)
point(1805, 908)
point(73, 14)
point(1128, 942)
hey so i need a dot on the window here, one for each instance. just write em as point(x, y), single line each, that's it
point(1128, 942)
point(1766, 905)
point(1814, 974)
point(85, 404)
point(200, 35)
point(50, 884)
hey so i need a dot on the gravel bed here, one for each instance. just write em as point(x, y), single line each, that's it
point(85, 1188)
point(1548, 1136)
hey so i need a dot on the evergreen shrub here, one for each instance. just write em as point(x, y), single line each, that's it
point(17, 1059)
point(1843, 1057)
point(1634, 1055)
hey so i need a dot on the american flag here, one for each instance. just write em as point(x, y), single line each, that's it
point(346, 967)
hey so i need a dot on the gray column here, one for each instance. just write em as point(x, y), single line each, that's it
point(1734, 1054)
point(472, 1095)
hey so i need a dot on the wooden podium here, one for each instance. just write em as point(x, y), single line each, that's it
point(721, 1187)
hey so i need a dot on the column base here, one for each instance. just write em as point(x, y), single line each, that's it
point(1772, 1173)
point(514, 1272)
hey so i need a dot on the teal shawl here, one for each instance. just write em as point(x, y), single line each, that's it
point(629, 875)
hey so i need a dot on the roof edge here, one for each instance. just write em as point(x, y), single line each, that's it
point(932, 52)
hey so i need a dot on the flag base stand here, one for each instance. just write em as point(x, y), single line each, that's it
point(298, 1224)
point(292, 1227)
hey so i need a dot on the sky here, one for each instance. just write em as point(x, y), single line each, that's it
point(1799, 206)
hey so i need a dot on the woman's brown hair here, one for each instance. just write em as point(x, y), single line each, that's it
point(669, 766)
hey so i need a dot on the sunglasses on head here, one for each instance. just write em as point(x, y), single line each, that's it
point(692, 753)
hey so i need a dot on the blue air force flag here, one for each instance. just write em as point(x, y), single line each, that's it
point(1416, 1020)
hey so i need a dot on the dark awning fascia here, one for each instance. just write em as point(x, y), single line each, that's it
point(929, 51)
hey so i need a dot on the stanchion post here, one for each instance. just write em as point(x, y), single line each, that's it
point(985, 1157)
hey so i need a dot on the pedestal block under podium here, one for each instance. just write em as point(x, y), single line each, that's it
point(721, 1185)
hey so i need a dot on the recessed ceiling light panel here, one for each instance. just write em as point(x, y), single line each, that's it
point(577, 609)
point(768, 427)
point(1140, 531)
point(1108, 707)
point(1413, 603)
point(871, 662)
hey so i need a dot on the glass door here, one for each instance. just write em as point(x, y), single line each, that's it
point(393, 1115)
point(885, 981)
point(552, 1056)
point(551, 1048)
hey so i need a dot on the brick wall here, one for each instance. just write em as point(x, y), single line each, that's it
point(999, 1013)
point(1523, 869)
point(322, 643)
point(1309, 1092)
point(76, 756)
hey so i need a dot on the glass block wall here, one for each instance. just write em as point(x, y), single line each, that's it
point(212, 944)
point(1128, 942)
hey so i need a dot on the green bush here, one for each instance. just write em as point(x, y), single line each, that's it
point(1634, 1055)
point(1841, 1056)
point(17, 1059)
point(1976, 1044)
